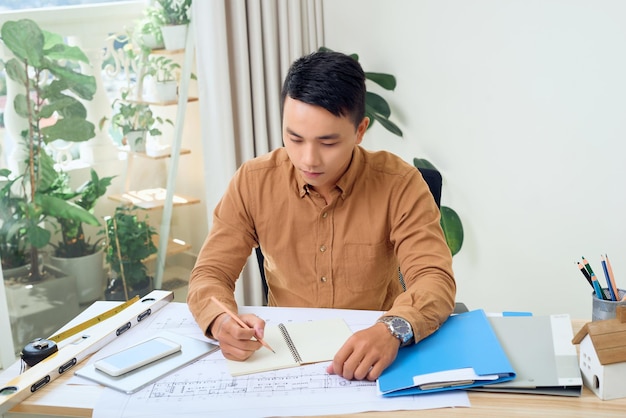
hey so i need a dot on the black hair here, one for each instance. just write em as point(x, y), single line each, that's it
point(328, 79)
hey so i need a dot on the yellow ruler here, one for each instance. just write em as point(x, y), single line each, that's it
point(93, 321)
point(101, 332)
point(40, 348)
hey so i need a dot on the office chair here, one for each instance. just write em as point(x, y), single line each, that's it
point(434, 181)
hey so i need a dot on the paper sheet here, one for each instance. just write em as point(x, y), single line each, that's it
point(206, 387)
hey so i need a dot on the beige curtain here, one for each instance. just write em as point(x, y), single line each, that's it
point(244, 49)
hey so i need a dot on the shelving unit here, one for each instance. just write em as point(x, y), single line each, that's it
point(165, 199)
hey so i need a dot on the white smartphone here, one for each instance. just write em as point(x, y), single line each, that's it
point(136, 356)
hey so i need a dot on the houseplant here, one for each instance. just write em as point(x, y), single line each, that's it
point(377, 109)
point(130, 241)
point(175, 15)
point(74, 253)
point(13, 244)
point(163, 71)
point(450, 220)
point(134, 120)
point(148, 29)
point(52, 84)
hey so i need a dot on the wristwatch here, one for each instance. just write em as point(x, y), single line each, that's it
point(399, 328)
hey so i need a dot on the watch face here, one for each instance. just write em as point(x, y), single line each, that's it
point(400, 326)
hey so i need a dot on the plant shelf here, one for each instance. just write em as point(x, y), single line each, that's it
point(150, 199)
point(174, 246)
point(158, 156)
point(149, 102)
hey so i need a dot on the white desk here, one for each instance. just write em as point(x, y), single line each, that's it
point(58, 399)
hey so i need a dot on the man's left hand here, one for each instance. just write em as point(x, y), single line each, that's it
point(365, 354)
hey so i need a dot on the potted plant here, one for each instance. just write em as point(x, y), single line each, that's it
point(74, 253)
point(377, 109)
point(48, 71)
point(175, 15)
point(135, 120)
point(13, 243)
point(130, 241)
point(148, 29)
point(163, 71)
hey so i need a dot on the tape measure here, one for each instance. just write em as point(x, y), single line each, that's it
point(42, 348)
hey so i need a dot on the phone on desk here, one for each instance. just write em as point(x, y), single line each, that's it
point(136, 356)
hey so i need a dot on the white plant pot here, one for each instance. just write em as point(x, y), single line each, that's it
point(136, 141)
point(39, 309)
point(89, 273)
point(166, 91)
point(174, 36)
point(150, 41)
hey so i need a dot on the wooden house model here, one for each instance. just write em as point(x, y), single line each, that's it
point(603, 355)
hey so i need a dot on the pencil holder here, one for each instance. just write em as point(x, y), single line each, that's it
point(605, 309)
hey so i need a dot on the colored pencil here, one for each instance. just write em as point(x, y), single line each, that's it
point(608, 279)
point(592, 274)
point(239, 321)
point(585, 273)
point(612, 277)
point(596, 286)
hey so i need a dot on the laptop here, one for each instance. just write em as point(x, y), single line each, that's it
point(541, 352)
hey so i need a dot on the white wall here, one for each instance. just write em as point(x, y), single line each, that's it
point(522, 106)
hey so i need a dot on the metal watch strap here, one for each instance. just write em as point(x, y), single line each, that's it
point(406, 337)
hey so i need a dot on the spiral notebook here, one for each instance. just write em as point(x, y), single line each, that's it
point(295, 344)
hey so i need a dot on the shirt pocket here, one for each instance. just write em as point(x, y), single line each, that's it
point(367, 267)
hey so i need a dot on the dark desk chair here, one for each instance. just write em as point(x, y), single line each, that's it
point(434, 181)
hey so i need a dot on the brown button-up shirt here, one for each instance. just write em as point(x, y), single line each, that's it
point(344, 254)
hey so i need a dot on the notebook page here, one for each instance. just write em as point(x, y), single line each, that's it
point(318, 340)
point(263, 359)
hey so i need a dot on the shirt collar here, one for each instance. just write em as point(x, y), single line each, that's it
point(345, 182)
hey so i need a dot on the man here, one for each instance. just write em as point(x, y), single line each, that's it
point(334, 223)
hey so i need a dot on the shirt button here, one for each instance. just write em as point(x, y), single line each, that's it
point(323, 279)
point(323, 248)
point(325, 215)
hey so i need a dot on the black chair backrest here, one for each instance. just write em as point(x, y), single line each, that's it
point(434, 181)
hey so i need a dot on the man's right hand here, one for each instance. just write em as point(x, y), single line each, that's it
point(237, 343)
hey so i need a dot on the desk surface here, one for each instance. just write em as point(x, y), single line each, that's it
point(58, 399)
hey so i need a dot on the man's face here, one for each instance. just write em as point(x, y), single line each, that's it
point(318, 143)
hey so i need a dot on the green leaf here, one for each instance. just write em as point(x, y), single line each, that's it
point(386, 81)
point(452, 229)
point(83, 85)
point(60, 208)
point(51, 39)
point(423, 163)
point(47, 175)
point(389, 125)
point(69, 129)
point(15, 70)
point(21, 106)
point(24, 39)
point(66, 106)
point(377, 104)
point(60, 51)
point(37, 236)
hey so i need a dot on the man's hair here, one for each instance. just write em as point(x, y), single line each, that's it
point(331, 80)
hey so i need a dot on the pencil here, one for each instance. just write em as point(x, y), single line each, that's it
point(596, 286)
point(612, 276)
point(607, 276)
point(584, 272)
point(240, 322)
point(593, 275)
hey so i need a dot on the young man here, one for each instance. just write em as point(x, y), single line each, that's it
point(334, 222)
